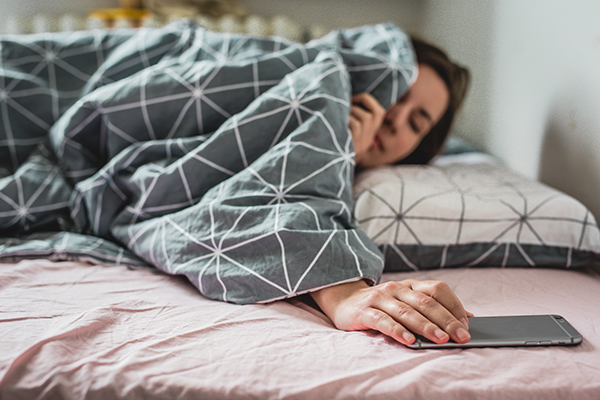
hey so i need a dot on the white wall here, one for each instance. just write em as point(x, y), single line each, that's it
point(334, 14)
point(535, 100)
point(51, 7)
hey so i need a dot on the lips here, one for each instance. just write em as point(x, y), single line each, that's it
point(377, 142)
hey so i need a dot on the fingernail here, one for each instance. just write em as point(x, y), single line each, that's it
point(408, 337)
point(463, 335)
point(465, 322)
point(440, 334)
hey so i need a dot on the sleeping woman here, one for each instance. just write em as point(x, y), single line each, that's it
point(411, 130)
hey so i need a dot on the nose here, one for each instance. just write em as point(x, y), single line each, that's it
point(396, 116)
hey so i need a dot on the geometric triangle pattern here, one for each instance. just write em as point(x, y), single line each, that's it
point(221, 157)
point(463, 215)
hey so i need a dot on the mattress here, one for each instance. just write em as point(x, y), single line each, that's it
point(72, 330)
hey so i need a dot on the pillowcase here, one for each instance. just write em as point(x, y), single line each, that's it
point(468, 210)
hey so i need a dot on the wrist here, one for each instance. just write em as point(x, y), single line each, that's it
point(330, 297)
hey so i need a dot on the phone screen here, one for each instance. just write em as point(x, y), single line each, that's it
point(518, 330)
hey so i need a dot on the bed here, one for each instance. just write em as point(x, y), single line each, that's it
point(124, 278)
point(72, 330)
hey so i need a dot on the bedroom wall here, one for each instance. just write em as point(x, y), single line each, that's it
point(333, 14)
point(536, 87)
point(52, 7)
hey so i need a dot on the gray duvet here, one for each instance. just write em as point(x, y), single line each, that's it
point(223, 158)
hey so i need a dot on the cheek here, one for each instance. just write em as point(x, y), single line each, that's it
point(405, 144)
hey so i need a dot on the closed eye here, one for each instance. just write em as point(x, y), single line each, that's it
point(415, 127)
point(421, 120)
point(425, 114)
point(419, 124)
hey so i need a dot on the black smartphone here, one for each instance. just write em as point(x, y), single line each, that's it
point(514, 330)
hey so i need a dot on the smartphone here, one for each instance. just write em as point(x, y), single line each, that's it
point(515, 330)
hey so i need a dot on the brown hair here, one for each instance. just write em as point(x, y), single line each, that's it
point(456, 78)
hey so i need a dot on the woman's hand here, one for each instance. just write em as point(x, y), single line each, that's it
point(427, 308)
point(366, 117)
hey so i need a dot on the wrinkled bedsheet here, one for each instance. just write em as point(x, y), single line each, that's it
point(223, 158)
point(76, 331)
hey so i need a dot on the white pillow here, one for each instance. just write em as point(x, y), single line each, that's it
point(471, 213)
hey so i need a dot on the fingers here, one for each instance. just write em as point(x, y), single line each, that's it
point(360, 114)
point(366, 108)
point(368, 102)
point(363, 129)
point(354, 123)
point(381, 321)
point(365, 119)
point(364, 115)
point(436, 311)
point(397, 308)
point(360, 138)
point(443, 294)
point(416, 311)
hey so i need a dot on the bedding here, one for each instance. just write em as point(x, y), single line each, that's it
point(71, 330)
point(224, 158)
point(469, 210)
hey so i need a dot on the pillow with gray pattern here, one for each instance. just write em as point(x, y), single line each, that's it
point(468, 210)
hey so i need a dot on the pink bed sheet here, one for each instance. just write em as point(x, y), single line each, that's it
point(77, 331)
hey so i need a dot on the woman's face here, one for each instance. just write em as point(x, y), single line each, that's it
point(409, 119)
